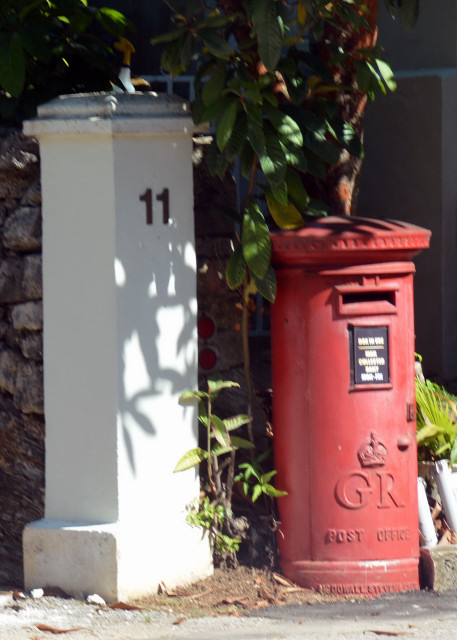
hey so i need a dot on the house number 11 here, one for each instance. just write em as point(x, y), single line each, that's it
point(163, 197)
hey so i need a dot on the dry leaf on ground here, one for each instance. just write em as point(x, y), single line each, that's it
point(45, 627)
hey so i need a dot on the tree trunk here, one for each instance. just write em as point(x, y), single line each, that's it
point(339, 189)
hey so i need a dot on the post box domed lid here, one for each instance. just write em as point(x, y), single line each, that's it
point(349, 240)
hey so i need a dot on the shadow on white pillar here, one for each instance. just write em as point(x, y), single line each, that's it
point(120, 346)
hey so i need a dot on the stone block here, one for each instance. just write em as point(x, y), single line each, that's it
point(32, 279)
point(11, 280)
point(28, 316)
point(32, 346)
point(438, 568)
point(22, 230)
point(28, 393)
point(10, 362)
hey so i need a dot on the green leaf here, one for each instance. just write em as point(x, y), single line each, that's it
point(272, 492)
point(326, 149)
point(267, 26)
point(219, 431)
point(218, 46)
point(216, 109)
point(256, 240)
point(80, 21)
point(203, 418)
point(114, 21)
point(215, 22)
point(428, 431)
point(266, 477)
point(220, 450)
point(225, 124)
point(186, 51)
point(279, 191)
point(270, 97)
point(296, 189)
point(237, 140)
point(236, 268)
point(191, 459)
point(198, 108)
point(36, 42)
point(364, 76)
point(213, 87)
point(241, 443)
point(453, 454)
point(191, 397)
point(236, 421)
point(348, 138)
point(273, 162)
point(247, 161)
point(171, 59)
point(267, 286)
point(256, 492)
point(317, 208)
point(285, 125)
point(386, 74)
point(216, 161)
point(216, 385)
point(168, 36)
point(256, 136)
point(296, 158)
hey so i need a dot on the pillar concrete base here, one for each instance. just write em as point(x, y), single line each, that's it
point(113, 560)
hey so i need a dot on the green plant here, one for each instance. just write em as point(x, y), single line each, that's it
point(219, 441)
point(210, 516)
point(255, 481)
point(436, 421)
point(214, 511)
point(51, 47)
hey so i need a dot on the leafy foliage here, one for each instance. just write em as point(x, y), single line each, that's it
point(52, 47)
point(214, 511)
point(255, 481)
point(210, 516)
point(436, 421)
point(218, 439)
point(272, 100)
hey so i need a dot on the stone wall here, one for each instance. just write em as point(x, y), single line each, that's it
point(214, 234)
point(21, 353)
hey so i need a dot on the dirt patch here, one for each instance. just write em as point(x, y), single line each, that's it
point(232, 592)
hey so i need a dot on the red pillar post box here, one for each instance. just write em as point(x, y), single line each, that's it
point(344, 404)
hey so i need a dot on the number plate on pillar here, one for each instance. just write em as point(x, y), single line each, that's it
point(370, 355)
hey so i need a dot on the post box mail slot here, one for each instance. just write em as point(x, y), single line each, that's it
point(343, 389)
point(356, 300)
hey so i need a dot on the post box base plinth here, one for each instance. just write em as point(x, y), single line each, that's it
point(364, 578)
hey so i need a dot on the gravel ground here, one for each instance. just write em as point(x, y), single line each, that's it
point(416, 616)
point(51, 617)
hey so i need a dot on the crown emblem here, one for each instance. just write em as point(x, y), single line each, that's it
point(372, 452)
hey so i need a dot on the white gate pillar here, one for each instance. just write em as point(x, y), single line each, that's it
point(120, 346)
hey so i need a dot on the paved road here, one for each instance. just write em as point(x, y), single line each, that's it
point(419, 615)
